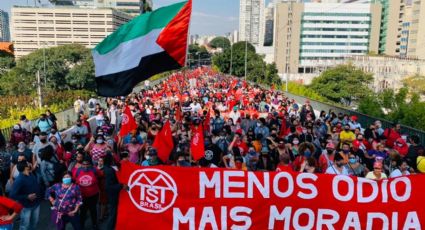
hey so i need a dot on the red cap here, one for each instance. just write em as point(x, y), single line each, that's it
point(330, 145)
point(354, 118)
point(356, 143)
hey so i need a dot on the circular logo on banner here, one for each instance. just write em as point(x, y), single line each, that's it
point(124, 119)
point(209, 155)
point(152, 190)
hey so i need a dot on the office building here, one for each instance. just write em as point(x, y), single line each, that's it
point(269, 24)
point(307, 33)
point(33, 28)
point(132, 7)
point(4, 26)
point(251, 21)
point(416, 40)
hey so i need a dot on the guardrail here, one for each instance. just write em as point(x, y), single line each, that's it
point(364, 119)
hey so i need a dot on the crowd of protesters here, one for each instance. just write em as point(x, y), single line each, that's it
point(245, 127)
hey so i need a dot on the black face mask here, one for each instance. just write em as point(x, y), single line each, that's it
point(43, 140)
point(329, 151)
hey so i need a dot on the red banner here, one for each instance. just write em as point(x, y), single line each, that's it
point(197, 198)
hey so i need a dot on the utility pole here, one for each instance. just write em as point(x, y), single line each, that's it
point(40, 100)
point(231, 58)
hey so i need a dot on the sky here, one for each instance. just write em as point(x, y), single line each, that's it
point(209, 17)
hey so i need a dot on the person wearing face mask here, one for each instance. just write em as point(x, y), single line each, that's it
point(134, 148)
point(294, 148)
point(326, 159)
point(338, 167)
point(27, 191)
point(354, 167)
point(97, 148)
point(306, 151)
point(152, 158)
point(81, 131)
point(346, 135)
point(87, 177)
point(44, 123)
point(66, 201)
point(36, 150)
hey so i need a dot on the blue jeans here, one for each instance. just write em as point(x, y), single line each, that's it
point(6, 227)
point(29, 218)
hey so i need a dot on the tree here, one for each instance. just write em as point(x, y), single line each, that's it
point(401, 106)
point(220, 42)
point(7, 61)
point(60, 68)
point(257, 70)
point(198, 55)
point(343, 84)
point(415, 83)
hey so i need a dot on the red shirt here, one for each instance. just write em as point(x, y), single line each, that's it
point(87, 180)
point(6, 205)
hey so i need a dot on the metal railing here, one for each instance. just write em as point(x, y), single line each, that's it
point(364, 119)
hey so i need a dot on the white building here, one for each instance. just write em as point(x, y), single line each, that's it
point(4, 26)
point(308, 33)
point(132, 7)
point(33, 28)
point(251, 21)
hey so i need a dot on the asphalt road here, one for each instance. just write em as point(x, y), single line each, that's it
point(45, 222)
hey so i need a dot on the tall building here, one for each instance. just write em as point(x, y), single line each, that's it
point(33, 28)
point(309, 33)
point(269, 25)
point(251, 24)
point(416, 40)
point(4, 26)
point(132, 7)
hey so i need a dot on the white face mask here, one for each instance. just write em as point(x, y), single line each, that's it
point(147, 157)
point(295, 142)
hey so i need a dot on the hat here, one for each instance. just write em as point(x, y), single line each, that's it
point(239, 131)
point(377, 164)
point(356, 143)
point(330, 145)
point(16, 127)
point(354, 118)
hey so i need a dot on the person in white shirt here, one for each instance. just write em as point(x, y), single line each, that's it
point(79, 105)
point(337, 168)
point(91, 104)
point(235, 114)
point(195, 106)
point(25, 123)
point(402, 169)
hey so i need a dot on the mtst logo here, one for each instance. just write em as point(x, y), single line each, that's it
point(152, 190)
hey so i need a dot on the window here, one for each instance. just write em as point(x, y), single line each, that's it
point(46, 36)
point(97, 23)
point(97, 15)
point(97, 29)
point(63, 29)
point(80, 22)
point(63, 36)
point(127, 4)
point(46, 29)
point(63, 15)
point(62, 22)
point(80, 29)
point(45, 14)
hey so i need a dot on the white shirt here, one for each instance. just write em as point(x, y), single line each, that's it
point(397, 173)
point(333, 170)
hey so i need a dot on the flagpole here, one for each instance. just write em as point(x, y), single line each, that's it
point(188, 34)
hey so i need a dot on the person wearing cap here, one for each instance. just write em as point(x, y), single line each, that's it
point(354, 124)
point(326, 159)
point(392, 134)
point(338, 167)
point(377, 173)
point(152, 158)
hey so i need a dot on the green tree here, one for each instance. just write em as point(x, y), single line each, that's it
point(7, 61)
point(220, 42)
point(198, 55)
point(415, 83)
point(343, 84)
point(60, 68)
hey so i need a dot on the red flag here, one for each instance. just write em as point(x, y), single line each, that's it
point(128, 123)
point(164, 142)
point(197, 143)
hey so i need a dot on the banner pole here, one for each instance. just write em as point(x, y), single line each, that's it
point(188, 34)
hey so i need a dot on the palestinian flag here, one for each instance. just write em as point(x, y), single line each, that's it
point(149, 44)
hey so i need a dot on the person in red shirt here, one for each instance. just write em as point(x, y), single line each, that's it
point(6, 207)
point(284, 164)
point(326, 159)
point(392, 134)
